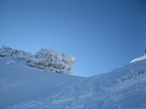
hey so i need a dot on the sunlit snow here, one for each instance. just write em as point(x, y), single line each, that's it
point(139, 59)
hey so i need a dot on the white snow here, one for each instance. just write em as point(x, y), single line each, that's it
point(10, 62)
point(24, 87)
point(139, 59)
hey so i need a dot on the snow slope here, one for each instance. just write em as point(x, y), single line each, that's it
point(24, 87)
point(19, 82)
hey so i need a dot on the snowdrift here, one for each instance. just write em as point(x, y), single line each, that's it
point(139, 59)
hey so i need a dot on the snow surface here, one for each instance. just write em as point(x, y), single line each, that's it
point(139, 59)
point(24, 87)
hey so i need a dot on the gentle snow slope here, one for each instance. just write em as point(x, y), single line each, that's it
point(23, 87)
point(19, 82)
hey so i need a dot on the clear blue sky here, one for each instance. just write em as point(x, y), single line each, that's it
point(100, 34)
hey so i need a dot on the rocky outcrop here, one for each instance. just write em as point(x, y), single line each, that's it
point(18, 54)
point(46, 59)
point(51, 61)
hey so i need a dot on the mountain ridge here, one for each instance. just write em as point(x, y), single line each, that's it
point(47, 59)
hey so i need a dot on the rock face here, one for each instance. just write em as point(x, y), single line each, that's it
point(51, 61)
point(18, 54)
point(46, 59)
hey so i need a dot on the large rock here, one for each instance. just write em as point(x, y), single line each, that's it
point(51, 61)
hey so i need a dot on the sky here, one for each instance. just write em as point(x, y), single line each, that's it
point(100, 34)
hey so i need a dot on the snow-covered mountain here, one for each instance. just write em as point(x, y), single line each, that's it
point(25, 87)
